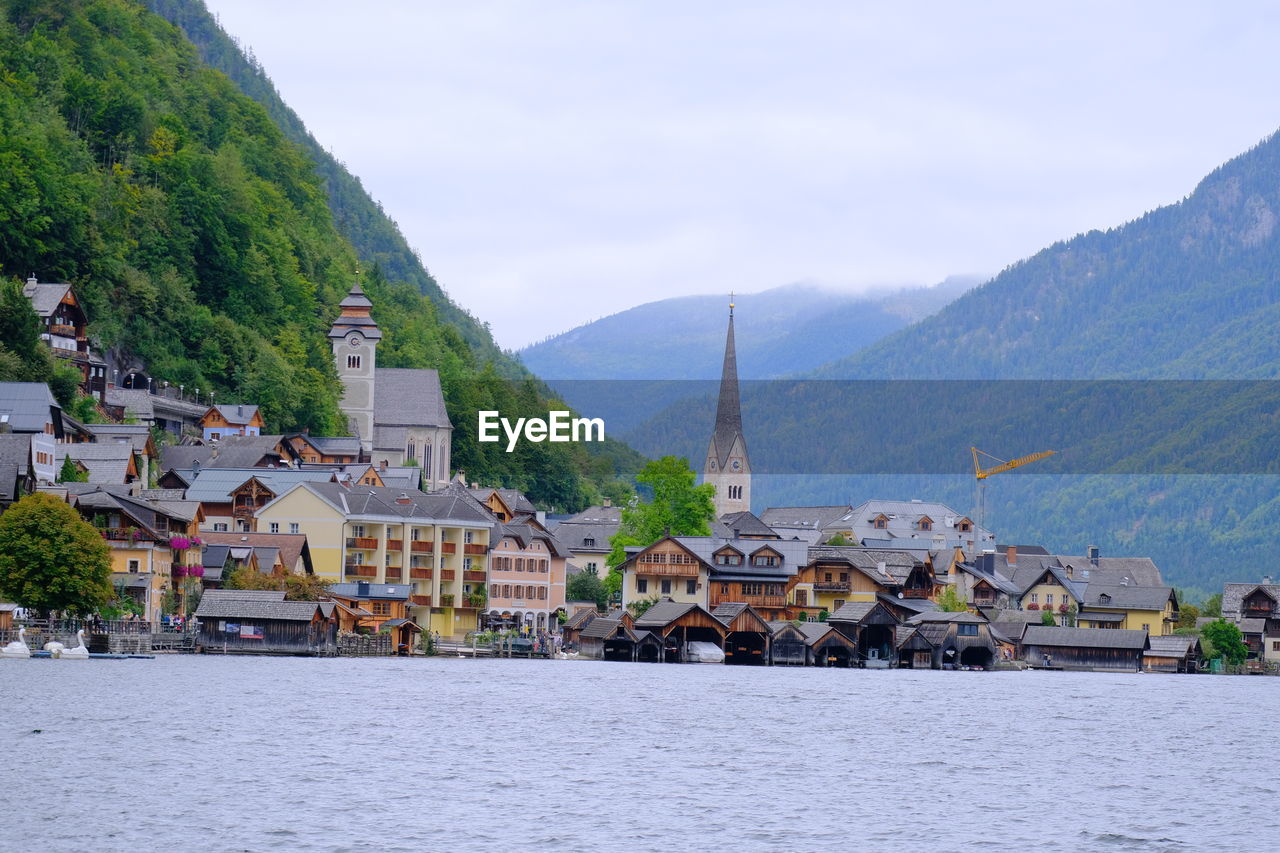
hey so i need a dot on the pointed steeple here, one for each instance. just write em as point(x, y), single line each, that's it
point(729, 407)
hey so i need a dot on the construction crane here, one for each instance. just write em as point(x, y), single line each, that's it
point(1000, 467)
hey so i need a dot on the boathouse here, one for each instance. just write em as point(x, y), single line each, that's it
point(914, 649)
point(238, 621)
point(870, 624)
point(1172, 653)
point(571, 631)
point(678, 623)
point(748, 639)
point(607, 639)
point(959, 639)
point(827, 646)
point(1108, 649)
point(787, 644)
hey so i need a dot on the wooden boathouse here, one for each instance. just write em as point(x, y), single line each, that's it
point(747, 642)
point(262, 622)
point(1106, 649)
point(678, 623)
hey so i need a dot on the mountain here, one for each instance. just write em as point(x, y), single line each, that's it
point(791, 329)
point(1190, 290)
point(209, 246)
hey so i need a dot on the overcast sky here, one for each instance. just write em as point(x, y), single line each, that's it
point(554, 162)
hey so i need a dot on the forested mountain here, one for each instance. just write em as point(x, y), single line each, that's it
point(790, 329)
point(1191, 290)
point(201, 239)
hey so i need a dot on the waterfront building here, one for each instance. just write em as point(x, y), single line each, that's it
point(437, 543)
point(747, 642)
point(835, 575)
point(1255, 609)
point(870, 625)
point(586, 535)
point(728, 467)
point(677, 624)
point(1153, 609)
point(1085, 648)
point(238, 621)
point(526, 577)
point(1172, 653)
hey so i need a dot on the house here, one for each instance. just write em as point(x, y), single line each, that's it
point(152, 542)
point(677, 624)
point(17, 468)
point(607, 639)
point(275, 553)
point(586, 536)
point(230, 497)
point(1112, 650)
point(398, 414)
point(66, 330)
point(1153, 609)
point(754, 571)
point(668, 567)
point(835, 575)
point(871, 626)
point(233, 451)
point(28, 408)
point(742, 525)
point(803, 522)
point(959, 639)
point(571, 630)
point(747, 643)
point(890, 524)
point(105, 464)
point(262, 622)
point(1256, 607)
point(225, 420)
point(340, 450)
point(166, 410)
point(437, 543)
point(915, 650)
point(527, 567)
point(137, 436)
point(386, 604)
point(1172, 653)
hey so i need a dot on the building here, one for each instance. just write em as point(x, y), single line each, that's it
point(223, 420)
point(262, 622)
point(527, 570)
point(587, 536)
point(958, 639)
point(387, 606)
point(896, 524)
point(1254, 608)
point(17, 468)
point(398, 414)
point(276, 553)
point(1172, 653)
point(1084, 648)
point(747, 643)
point(803, 522)
point(66, 330)
point(137, 436)
point(728, 467)
point(231, 497)
point(232, 451)
point(437, 543)
point(682, 628)
point(871, 627)
point(835, 575)
point(1153, 609)
point(28, 408)
point(340, 450)
point(105, 464)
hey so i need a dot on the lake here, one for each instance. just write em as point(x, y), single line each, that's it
point(229, 754)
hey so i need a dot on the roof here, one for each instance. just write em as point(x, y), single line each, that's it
point(596, 515)
point(794, 555)
point(136, 434)
point(1140, 571)
point(946, 617)
point(15, 461)
point(1251, 626)
point(802, 517)
point(409, 398)
point(1128, 597)
point(232, 451)
point(663, 613)
point(580, 618)
point(815, 631)
point(1234, 594)
point(728, 426)
point(106, 463)
point(291, 547)
point(885, 567)
point(235, 604)
point(600, 628)
point(44, 295)
point(853, 611)
point(902, 518)
point(371, 591)
point(1171, 645)
point(1084, 638)
point(743, 524)
point(236, 414)
point(1091, 616)
point(214, 485)
point(137, 403)
point(386, 502)
point(26, 406)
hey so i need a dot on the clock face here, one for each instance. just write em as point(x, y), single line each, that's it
point(354, 340)
point(736, 464)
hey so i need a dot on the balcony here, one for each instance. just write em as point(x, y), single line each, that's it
point(915, 593)
point(362, 543)
point(420, 547)
point(395, 544)
point(356, 570)
point(420, 574)
point(683, 570)
point(420, 600)
point(448, 548)
point(447, 574)
point(473, 577)
point(831, 586)
point(393, 574)
point(62, 331)
point(446, 600)
point(765, 600)
point(474, 549)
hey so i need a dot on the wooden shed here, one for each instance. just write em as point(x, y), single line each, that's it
point(607, 639)
point(262, 622)
point(747, 642)
point(572, 628)
point(788, 645)
point(1172, 653)
point(828, 646)
point(914, 649)
point(870, 624)
point(680, 623)
point(960, 640)
point(1106, 649)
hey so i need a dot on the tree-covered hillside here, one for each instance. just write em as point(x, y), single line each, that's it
point(201, 240)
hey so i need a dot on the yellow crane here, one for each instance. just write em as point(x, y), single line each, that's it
point(1000, 467)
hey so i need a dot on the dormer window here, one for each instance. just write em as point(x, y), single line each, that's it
point(880, 522)
point(1104, 599)
point(589, 542)
point(924, 523)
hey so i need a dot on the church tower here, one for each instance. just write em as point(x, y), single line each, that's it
point(728, 468)
point(355, 337)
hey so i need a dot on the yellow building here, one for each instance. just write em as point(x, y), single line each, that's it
point(1136, 608)
point(437, 543)
point(666, 569)
point(837, 575)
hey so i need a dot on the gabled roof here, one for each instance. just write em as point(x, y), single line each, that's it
point(744, 524)
point(793, 553)
point(856, 611)
point(379, 501)
point(1128, 597)
point(234, 413)
point(106, 463)
point(1172, 645)
point(45, 296)
point(601, 629)
point(292, 547)
point(580, 618)
point(525, 533)
point(1084, 638)
point(373, 591)
point(232, 451)
point(215, 485)
point(1234, 594)
point(943, 616)
point(1140, 571)
point(137, 435)
point(28, 406)
point(237, 606)
point(405, 397)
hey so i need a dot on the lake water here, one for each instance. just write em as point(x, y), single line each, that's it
point(230, 754)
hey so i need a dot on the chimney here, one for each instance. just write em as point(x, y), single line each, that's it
point(1093, 554)
point(1012, 556)
point(1266, 579)
point(404, 500)
point(362, 588)
point(239, 411)
point(383, 465)
point(195, 466)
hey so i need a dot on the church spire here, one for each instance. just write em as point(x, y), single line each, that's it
point(727, 465)
point(729, 407)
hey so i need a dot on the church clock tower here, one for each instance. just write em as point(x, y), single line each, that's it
point(728, 468)
point(355, 337)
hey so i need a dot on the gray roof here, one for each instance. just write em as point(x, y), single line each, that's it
point(27, 406)
point(15, 462)
point(1251, 626)
point(580, 618)
point(1090, 616)
point(407, 397)
point(383, 501)
point(106, 463)
point(1234, 594)
point(1128, 597)
point(663, 613)
point(1086, 638)
point(232, 451)
point(600, 628)
point(135, 434)
point(802, 517)
point(815, 631)
point(238, 606)
point(45, 295)
point(337, 444)
point(1171, 645)
point(525, 533)
point(744, 524)
point(902, 520)
point(596, 515)
point(898, 564)
point(381, 591)
point(1009, 630)
point(236, 414)
point(400, 477)
point(1140, 571)
point(136, 403)
point(793, 553)
point(590, 530)
point(943, 616)
point(214, 485)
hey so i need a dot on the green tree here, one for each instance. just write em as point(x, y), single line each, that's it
point(1224, 640)
point(1212, 606)
point(951, 601)
point(51, 559)
point(679, 507)
point(1046, 618)
point(70, 473)
point(1187, 616)
point(641, 605)
point(586, 586)
point(838, 539)
point(296, 587)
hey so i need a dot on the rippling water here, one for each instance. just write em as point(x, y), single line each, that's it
point(211, 753)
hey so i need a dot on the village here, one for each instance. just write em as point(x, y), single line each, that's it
point(400, 554)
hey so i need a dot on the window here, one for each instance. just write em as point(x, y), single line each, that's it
point(1275, 645)
point(357, 530)
point(591, 567)
point(293, 527)
point(411, 450)
point(666, 586)
point(728, 560)
point(642, 585)
point(220, 527)
point(844, 577)
point(519, 564)
point(275, 527)
point(1146, 627)
point(1035, 598)
point(468, 536)
point(691, 587)
point(965, 527)
point(967, 629)
point(764, 560)
point(827, 577)
point(382, 608)
point(135, 565)
point(244, 526)
point(542, 593)
point(752, 589)
point(802, 597)
point(353, 362)
point(926, 524)
point(882, 523)
point(589, 542)
point(1048, 599)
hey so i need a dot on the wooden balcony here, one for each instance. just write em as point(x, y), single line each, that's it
point(362, 543)
point(420, 547)
point(420, 600)
point(831, 586)
point(473, 577)
point(393, 575)
point(915, 593)
point(420, 574)
point(448, 548)
point(683, 570)
point(447, 574)
point(356, 570)
point(474, 549)
point(765, 600)
point(446, 599)
point(62, 331)
point(395, 544)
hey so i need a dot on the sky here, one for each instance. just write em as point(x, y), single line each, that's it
point(556, 162)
